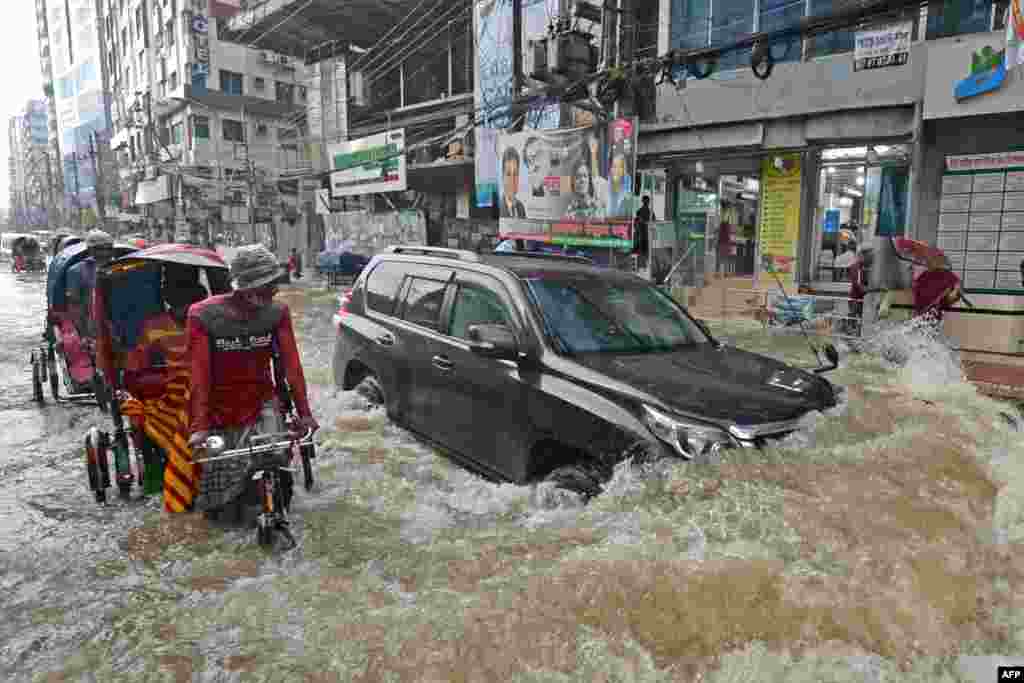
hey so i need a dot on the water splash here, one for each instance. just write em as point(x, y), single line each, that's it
point(917, 349)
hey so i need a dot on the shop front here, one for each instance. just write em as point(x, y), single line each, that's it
point(799, 214)
point(861, 192)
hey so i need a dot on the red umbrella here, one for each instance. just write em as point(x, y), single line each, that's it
point(185, 254)
point(917, 252)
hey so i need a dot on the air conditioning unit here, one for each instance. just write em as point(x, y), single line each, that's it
point(358, 93)
point(283, 60)
point(267, 58)
point(570, 54)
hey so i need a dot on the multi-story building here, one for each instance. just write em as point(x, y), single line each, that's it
point(15, 163)
point(29, 166)
point(73, 44)
point(205, 130)
point(53, 132)
point(413, 91)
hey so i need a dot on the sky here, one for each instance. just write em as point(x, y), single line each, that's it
point(19, 55)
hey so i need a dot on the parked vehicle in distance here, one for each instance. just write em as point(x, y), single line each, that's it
point(524, 367)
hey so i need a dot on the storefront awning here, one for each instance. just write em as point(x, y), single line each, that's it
point(440, 176)
point(152, 191)
point(659, 141)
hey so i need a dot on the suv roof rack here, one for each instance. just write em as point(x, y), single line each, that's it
point(442, 252)
point(542, 255)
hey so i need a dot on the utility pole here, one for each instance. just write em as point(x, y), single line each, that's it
point(97, 169)
point(76, 206)
point(517, 57)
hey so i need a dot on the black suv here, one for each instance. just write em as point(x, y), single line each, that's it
point(527, 366)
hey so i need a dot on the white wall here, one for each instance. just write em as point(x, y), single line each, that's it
point(949, 62)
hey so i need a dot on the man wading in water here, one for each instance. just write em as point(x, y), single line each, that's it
point(231, 341)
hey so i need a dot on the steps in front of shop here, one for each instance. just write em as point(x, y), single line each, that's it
point(999, 376)
point(725, 297)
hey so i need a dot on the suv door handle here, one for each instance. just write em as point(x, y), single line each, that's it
point(386, 339)
point(442, 363)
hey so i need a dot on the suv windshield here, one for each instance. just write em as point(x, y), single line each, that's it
point(586, 314)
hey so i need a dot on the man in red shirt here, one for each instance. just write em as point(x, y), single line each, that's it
point(232, 339)
point(936, 289)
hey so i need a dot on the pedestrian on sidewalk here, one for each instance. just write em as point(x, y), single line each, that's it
point(642, 227)
point(858, 273)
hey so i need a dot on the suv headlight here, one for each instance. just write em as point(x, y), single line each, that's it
point(689, 439)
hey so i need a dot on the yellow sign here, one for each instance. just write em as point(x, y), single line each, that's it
point(779, 233)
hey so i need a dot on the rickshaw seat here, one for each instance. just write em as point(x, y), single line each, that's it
point(128, 313)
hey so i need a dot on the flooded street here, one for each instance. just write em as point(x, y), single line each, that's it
point(881, 543)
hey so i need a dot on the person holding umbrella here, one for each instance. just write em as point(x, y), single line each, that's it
point(936, 289)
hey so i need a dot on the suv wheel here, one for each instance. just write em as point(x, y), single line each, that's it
point(371, 390)
point(577, 478)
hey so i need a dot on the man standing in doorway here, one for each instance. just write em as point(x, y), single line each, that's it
point(641, 240)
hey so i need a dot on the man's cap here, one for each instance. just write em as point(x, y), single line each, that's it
point(254, 266)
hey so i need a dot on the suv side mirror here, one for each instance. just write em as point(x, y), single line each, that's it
point(493, 341)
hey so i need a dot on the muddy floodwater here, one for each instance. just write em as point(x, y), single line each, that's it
point(881, 542)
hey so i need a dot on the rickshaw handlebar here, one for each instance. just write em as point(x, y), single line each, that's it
point(215, 444)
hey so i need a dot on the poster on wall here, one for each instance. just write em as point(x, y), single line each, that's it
point(570, 186)
point(779, 231)
point(981, 219)
point(882, 47)
point(371, 164)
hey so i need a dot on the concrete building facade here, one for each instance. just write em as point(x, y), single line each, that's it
point(205, 131)
point(56, 176)
point(870, 142)
point(29, 166)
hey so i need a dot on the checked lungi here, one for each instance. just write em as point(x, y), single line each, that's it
point(165, 421)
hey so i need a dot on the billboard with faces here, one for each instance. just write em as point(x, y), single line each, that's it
point(570, 185)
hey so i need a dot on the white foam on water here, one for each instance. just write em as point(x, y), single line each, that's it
point(921, 354)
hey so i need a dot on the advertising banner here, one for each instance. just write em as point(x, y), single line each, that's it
point(371, 164)
point(779, 231)
point(493, 20)
point(493, 26)
point(568, 186)
point(1014, 34)
point(882, 47)
point(486, 166)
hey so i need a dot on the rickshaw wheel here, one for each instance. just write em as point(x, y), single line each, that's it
point(37, 381)
point(99, 390)
point(264, 535)
point(101, 497)
point(51, 372)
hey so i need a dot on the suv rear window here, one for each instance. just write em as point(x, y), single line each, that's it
point(382, 287)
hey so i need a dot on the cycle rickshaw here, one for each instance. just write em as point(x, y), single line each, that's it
point(66, 357)
point(26, 255)
point(150, 387)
